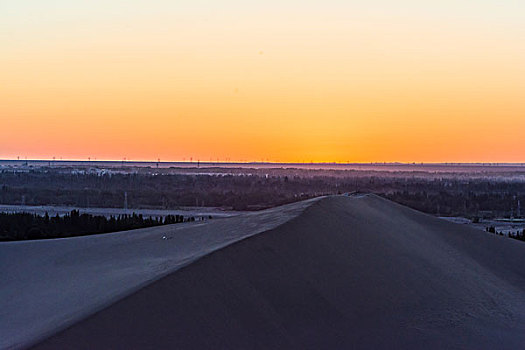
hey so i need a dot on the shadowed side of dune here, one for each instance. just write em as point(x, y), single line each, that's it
point(49, 285)
point(347, 272)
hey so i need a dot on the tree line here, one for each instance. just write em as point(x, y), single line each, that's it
point(252, 190)
point(23, 226)
point(518, 235)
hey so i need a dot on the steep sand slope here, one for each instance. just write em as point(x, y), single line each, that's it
point(49, 284)
point(348, 272)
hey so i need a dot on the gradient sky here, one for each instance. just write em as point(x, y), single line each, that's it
point(289, 81)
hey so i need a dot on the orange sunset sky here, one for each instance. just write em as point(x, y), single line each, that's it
point(283, 81)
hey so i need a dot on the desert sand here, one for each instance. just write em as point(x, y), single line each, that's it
point(339, 272)
point(50, 284)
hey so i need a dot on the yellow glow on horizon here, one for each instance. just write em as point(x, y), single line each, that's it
point(340, 85)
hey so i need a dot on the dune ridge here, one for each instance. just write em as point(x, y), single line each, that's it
point(347, 272)
point(48, 285)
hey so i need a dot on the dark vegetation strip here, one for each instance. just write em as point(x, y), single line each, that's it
point(518, 235)
point(437, 194)
point(23, 226)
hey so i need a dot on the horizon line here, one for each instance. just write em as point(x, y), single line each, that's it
point(240, 162)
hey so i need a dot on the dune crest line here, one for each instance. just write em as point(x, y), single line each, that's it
point(345, 273)
point(61, 281)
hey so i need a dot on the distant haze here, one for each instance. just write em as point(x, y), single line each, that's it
point(279, 81)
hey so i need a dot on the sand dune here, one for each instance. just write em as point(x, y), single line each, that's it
point(50, 284)
point(344, 272)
